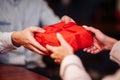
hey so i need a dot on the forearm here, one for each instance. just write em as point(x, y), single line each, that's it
point(109, 41)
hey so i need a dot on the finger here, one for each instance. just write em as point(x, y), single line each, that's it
point(61, 39)
point(37, 45)
point(51, 48)
point(97, 51)
point(93, 48)
point(67, 19)
point(85, 26)
point(94, 51)
point(57, 61)
point(89, 49)
point(37, 29)
point(85, 49)
point(94, 30)
point(98, 47)
point(53, 56)
point(97, 44)
point(32, 48)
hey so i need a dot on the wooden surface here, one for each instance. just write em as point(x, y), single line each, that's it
point(8, 72)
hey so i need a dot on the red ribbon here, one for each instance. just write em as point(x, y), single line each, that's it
point(63, 28)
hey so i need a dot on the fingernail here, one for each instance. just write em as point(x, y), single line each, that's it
point(72, 20)
point(42, 30)
point(85, 26)
point(58, 34)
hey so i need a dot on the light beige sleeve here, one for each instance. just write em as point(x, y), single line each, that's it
point(6, 42)
point(73, 69)
point(115, 53)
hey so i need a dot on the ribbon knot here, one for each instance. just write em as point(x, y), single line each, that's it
point(60, 27)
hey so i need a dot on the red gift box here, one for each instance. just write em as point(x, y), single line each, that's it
point(75, 35)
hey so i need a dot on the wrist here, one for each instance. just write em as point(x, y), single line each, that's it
point(110, 42)
point(14, 39)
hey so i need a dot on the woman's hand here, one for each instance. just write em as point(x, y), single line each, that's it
point(100, 41)
point(59, 52)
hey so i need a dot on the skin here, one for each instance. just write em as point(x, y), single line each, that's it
point(59, 52)
point(100, 42)
point(67, 19)
point(26, 38)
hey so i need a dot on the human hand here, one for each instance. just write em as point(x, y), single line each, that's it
point(67, 19)
point(59, 52)
point(100, 41)
point(26, 39)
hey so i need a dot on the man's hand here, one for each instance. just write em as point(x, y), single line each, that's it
point(26, 38)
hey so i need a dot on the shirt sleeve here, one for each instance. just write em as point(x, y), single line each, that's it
point(72, 69)
point(6, 42)
point(47, 14)
point(115, 53)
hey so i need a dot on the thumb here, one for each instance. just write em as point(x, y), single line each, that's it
point(93, 30)
point(36, 29)
point(61, 39)
point(50, 48)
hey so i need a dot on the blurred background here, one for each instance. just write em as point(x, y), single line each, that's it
point(102, 14)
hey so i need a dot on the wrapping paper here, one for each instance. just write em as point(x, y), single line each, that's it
point(75, 35)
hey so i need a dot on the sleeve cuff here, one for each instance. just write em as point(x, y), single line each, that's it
point(6, 42)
